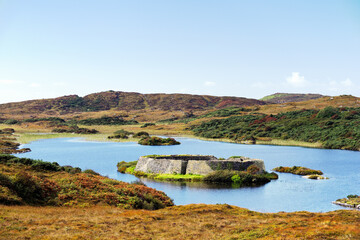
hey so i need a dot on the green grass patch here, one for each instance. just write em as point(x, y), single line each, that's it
point(178, 177)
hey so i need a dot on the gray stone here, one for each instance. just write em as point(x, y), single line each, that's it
point(194, 164)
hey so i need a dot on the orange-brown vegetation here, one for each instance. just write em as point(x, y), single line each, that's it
point(34, 182)
point(123, 101)
point(170, 122)
point(179, 222)
point(320, 103)
point(8, 144)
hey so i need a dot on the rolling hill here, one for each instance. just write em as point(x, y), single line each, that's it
point(124, 101)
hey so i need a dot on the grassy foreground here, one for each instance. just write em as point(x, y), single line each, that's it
point(179, 222)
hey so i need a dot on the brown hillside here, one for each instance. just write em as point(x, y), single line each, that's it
point(320, 103)
point(123, 101)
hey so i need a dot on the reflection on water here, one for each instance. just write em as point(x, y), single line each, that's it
point(206, 185)
point(288, 193)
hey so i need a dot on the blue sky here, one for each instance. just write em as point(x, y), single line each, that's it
point(247, 48)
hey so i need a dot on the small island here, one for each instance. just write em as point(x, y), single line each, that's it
point(144, 138)
point(303, 171)
point(158, 141)
point(195, 168)
point(352, 201)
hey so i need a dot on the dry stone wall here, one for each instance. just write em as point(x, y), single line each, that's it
point(194, 164)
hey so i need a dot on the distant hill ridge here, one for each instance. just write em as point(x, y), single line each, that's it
point(126, 101)
point(290, 97)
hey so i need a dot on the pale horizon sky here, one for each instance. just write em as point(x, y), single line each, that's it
point(244, 48)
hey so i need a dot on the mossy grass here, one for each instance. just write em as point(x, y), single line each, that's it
point(177, 177)
point(160, 177)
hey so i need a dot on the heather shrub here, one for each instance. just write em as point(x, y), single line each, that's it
point(28, 189)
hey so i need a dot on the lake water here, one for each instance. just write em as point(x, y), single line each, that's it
point(288, 193)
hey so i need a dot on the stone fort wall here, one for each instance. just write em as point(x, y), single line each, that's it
point(194, 164)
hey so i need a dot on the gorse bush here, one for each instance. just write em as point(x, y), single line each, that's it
point(34, 164)
point(28, 189)
point(39, 165)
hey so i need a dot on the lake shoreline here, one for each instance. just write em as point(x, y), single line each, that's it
point(87, 155)
point(25, 138)
point(354, 206)
point(28, 135)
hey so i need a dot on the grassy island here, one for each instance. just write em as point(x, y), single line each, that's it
point(298, 170)
point(252, 176)
point(158, 141)
point(352, 201)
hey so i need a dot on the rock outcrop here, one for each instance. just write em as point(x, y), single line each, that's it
point(194, 164)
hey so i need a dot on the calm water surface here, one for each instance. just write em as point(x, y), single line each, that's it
point(288, 193)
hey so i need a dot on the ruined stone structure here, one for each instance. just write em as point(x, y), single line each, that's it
point(194, 164)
